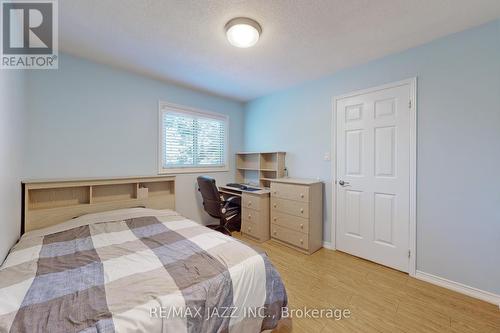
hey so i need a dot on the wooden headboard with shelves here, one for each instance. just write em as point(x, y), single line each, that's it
point(50, 202)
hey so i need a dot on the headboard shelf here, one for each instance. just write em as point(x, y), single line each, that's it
point(49, 202)
point(44, 198)
point(113, 192)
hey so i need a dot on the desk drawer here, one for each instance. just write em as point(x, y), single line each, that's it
point(295, 208)
point(291, 222)
point(250, 201)
point(250, 228)
point(290, 192)
point(290, 236)
point(250, 215)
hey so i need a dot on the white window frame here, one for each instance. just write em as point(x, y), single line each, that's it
point(162, 105)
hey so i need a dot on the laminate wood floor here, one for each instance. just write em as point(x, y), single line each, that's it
point(380, 299)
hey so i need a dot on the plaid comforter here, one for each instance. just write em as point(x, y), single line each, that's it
point(137, 270)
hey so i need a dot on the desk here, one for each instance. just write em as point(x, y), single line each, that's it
point(254, 211)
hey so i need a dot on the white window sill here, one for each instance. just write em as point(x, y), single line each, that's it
point(192, 170)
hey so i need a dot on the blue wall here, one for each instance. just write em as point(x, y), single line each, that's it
point(458, 194)
point(91, 120)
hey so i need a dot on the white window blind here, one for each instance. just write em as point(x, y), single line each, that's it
point(192, 139)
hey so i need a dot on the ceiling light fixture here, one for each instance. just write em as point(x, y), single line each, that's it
point(243, 32)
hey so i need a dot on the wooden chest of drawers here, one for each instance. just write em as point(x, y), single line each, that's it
point(297, 213)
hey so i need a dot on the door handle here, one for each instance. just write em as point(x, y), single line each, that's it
point(343, 183)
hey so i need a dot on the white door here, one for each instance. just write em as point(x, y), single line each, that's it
point(373, 175)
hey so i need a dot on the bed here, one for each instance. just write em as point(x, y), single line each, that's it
point(136, 270)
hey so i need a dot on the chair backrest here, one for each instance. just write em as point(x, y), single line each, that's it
point(210, 194)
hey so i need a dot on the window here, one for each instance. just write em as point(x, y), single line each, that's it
point(192, 140)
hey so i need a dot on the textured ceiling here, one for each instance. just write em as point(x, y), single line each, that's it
point(183, 41)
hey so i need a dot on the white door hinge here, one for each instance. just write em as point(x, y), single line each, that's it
point(409, 104)
point(409, 253)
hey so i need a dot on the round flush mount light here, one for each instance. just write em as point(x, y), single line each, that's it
point(243, 32)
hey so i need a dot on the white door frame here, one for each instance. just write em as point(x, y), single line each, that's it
point(412, 82)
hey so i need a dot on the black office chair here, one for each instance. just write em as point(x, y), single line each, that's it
point(227, 210)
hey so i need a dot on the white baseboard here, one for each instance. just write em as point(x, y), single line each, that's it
point(327, 245)
point(459, 287)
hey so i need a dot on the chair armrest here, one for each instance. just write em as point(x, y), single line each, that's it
point(233, 200)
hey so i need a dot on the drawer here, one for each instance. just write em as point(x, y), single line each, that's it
point(291, 222)
point(295, 208)
point(290, 236)
point(290, 192)
point(250, 215)
point(250, 201)
point(250, 228)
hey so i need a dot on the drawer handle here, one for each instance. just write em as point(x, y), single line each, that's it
point(301, 241)
point(302, 210)
point(249, 228)
point(275, 192)
point(249, 203)
point(301, 226)
point(249, 216)
point(274, 219)
point(301, 195)
point(274, 205)
point(274, 232)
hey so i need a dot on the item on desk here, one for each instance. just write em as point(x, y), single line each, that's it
point(243, 187)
